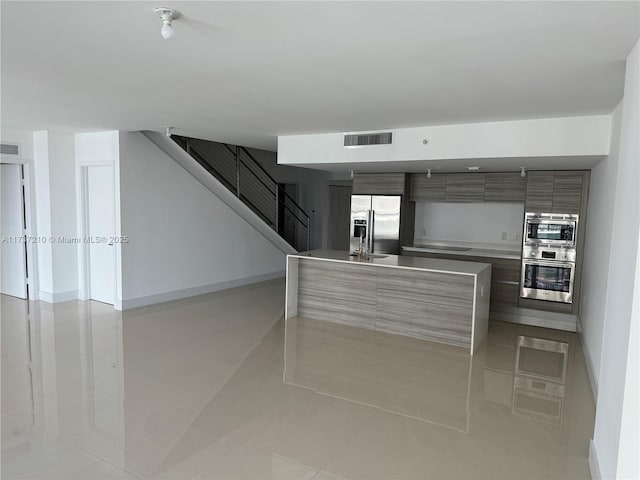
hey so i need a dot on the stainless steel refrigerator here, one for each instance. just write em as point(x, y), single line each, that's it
point(377, 218)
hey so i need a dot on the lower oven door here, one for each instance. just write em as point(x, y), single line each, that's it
point(551, 281)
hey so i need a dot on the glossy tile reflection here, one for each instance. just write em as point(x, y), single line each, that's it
point(218, 387)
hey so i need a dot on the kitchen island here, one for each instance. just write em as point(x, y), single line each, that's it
point(444, 301)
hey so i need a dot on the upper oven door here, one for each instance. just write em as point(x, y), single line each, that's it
point(552, 281)
point(541, 230)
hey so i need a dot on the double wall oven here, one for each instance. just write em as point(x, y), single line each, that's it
point(549, 257)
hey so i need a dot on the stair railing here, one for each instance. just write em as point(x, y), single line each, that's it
point(241, 173)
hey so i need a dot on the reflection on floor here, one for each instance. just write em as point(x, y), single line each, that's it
point(218, 386)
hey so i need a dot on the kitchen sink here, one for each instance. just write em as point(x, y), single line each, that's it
point(374, 255)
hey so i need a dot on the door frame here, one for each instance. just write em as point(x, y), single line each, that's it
point(85, 259)
point(28, 201)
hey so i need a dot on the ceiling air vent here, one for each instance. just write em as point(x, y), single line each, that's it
point(364, 139)
point(9, 149)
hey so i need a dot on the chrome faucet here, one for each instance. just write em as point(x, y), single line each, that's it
point(363, 247)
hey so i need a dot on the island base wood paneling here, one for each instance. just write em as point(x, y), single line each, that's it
point(335, 292)
point(431, 305)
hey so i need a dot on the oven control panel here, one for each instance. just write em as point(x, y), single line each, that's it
point(557, 254)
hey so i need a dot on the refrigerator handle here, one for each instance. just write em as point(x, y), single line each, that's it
point(372, 230)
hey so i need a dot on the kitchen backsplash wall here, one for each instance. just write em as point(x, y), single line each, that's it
point(477, 223)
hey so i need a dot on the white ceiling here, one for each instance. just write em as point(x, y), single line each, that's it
point(244, 72)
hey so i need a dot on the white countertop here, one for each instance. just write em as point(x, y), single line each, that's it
point(512, 254)
point(398, 261)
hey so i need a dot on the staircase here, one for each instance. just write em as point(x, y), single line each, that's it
point(238, 170)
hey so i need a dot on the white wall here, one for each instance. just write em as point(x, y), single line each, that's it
point(628, 462)
point(63, 207)
point(478, 223)
point(55, 194)
point(548, 137)
point(598, 235)
point(43, 214)
point(615, 444)
point(183, 240)
point(98, 148)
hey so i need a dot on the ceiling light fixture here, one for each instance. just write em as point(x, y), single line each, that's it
point(168, 15)
point(167, 131)
point(523, 172)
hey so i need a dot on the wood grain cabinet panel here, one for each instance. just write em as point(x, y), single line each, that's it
point(378, 183)
point(505, 281)
point(505, 268)
point(567, 192)
point(504, 187)
point(337, 292)
point(424, 188)
point(505, 274)
point(539, 192)
point(432, 306)
point(506, 294)
point(465, 187)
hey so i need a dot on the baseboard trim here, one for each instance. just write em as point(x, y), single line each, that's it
point(594, 464)
point(524, 319)
point(593, 380)
point(128, 304)
point(50, 297)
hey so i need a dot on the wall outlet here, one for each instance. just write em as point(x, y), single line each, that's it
point(503, 235)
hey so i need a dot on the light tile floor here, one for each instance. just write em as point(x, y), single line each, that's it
point(218, 387)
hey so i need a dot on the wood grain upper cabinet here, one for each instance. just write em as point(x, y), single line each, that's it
point(567, 192)
point(504, 187)
point(378, 183)
point(539, 192)
point(424, 188)
point(465, 187)
point(556, 192)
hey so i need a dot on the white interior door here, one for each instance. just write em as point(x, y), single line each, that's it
point(101, 220)
point(13, 259)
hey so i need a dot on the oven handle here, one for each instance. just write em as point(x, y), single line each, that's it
point(538, 221)
point(549, 263)
point(549, 243)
